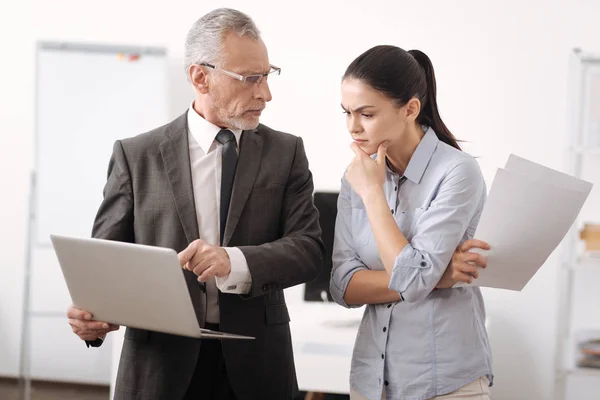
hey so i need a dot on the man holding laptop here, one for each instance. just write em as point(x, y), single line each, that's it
point(234, 199)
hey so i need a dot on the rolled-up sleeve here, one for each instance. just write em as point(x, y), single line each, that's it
point(438, 231)
point(345, 260)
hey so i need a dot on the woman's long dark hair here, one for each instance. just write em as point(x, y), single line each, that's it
point(402, 75)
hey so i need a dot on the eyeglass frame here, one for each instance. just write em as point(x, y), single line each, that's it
point(244, 78)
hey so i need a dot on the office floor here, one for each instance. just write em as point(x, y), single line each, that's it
point(9, 390)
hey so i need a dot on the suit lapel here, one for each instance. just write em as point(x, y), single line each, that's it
point(251, 145)
point(176, 158)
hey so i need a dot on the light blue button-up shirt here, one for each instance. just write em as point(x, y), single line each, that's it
point(433, 342)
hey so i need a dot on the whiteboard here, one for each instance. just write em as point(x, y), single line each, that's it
point(88, 96)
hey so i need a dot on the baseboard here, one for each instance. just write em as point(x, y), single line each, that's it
point(39, 383)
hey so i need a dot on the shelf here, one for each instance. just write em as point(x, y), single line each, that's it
point(590, 260)
point(586, 151)
point(586, 261)
point(595, 372)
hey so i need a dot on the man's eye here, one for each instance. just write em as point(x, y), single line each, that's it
point(253, 78)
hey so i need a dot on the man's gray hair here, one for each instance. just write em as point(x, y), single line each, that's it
point(204, 41)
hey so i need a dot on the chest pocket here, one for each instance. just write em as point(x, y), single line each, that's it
point(361, 229)
point(408, 220)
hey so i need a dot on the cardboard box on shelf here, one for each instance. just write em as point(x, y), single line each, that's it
point(590, 234)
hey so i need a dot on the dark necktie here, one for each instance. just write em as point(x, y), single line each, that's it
point(229, 162)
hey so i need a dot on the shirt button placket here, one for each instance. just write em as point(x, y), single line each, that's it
point(396, 184)
point(385, 334)
point(393, 201)
point(391, 197)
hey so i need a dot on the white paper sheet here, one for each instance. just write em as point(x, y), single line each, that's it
point(529, 210)
point(548, 175)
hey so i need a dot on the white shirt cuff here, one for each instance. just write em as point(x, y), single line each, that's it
point(239, 280)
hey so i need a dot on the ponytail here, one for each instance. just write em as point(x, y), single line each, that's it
point(430, 115)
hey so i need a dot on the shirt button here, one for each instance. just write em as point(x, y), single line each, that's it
point(395, 188)
point(384, 329)
point(389, 305)
point(392, 211)
point(386, 383)
point(382, 356)
point(423, 264)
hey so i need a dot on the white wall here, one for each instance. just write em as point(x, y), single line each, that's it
point(502, 74)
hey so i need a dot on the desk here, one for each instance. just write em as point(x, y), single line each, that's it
point(323, 336)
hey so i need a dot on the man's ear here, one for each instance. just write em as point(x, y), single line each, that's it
point(199, 78)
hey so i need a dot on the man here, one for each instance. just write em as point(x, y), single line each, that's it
point(234, 197)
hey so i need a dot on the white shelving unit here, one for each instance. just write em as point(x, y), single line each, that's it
point(579, 277)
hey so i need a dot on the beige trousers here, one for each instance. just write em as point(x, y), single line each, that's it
point(477, 390)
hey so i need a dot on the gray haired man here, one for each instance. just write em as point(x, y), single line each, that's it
point(234, 198)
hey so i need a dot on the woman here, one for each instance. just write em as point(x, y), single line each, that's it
point(401, 214)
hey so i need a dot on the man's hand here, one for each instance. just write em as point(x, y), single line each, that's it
point(465, 265)
point(83, 326)
point(205, 260)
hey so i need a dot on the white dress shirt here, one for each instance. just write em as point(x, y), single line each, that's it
point(205, 161)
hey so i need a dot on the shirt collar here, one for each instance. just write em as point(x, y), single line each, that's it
point(421, 157)
point(204, 132)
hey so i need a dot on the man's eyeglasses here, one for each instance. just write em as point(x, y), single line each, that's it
point(250, 79)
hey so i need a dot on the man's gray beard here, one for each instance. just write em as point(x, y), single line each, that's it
point(238, 123)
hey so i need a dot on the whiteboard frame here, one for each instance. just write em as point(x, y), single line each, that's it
point(76, 48)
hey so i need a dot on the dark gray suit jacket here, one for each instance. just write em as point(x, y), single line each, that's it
point(149, 199)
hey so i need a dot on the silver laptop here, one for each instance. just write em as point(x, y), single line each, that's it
point(130, 284)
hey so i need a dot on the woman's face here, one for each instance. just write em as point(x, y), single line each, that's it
point(371, 117)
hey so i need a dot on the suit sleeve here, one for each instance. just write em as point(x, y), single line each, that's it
point(114, 220)
point(298, 256)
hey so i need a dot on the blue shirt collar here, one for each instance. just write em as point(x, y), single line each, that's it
point(421, 157)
